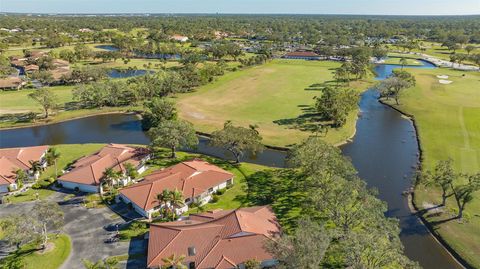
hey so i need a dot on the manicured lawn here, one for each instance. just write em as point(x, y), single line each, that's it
point(277, 96)
point(448, 119)
point(395, 60)
point(18, 101)
point(436, 50)
point(30, 195)
point(50, 260)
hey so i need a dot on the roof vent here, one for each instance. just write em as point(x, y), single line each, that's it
point(191, 251)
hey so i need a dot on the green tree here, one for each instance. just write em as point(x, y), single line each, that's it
point(131, 170)
point(252, 264)
point(19, 229)
point(21, 177)
point(403, 62)
point(52, 156)
point(336, 103)
point(442, 176)
point(156, 111)
point(470, 48)
point(173, 134)
point(393, 85)
point(305, 248)
point(109, 263)
point(82, 51)
point(110, 176)
point(173, 261)
point(46, 98)
point(176, 199)
point(49, 216)
point(43, 76)
point(463, 193)
point(237, 140)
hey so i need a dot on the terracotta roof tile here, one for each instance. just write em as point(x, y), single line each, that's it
point(12, 159)
point(192, 178)
point(222, 239)
point(89, 170)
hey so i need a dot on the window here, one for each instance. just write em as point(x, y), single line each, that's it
point(187, 200)
point(229, 182)
point(191, 251)
point(191, 265)
point(210, 190)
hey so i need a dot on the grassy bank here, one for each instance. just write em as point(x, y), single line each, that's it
point(277, 96)
point(36, 260)
point(18, 103)
point(397, 60)
point(448, 123)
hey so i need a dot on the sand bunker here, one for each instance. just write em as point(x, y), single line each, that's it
point(442, 81)
point(442, 76)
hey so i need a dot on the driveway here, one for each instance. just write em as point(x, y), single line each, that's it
point(85, 228)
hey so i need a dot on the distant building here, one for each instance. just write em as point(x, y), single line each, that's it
point(179, 38)
point(197, 180)
point(87, 173)
point(85, 30)
point(31, 68)
point(220, 239)
point(11, 83)
point(13, 159)
point(302, 55)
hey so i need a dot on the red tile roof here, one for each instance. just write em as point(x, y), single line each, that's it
point(89, 170)
point(12, 159)
point(11, 82)
point(192, 178)
point(222, 239)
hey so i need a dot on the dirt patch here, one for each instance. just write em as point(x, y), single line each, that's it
point(13, 111)
point(50, 246)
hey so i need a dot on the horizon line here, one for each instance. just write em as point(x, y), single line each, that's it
point(226, 13)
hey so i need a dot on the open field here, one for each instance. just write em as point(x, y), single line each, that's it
point(277, 96)
point(448, 120)
point(50, 260)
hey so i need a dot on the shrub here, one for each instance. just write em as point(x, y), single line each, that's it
point(37, 186)
point(214, 198)
point(220, 191)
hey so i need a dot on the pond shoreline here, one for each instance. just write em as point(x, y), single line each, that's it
point(411, 197)
point(36, 124)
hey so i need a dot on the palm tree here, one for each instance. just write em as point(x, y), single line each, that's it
point(163, 199)
point(173, 261)
point(110, 176)
point(36, 167)
point(52, 157)
point(131, 171)
point(403, 61)
point(176, 200)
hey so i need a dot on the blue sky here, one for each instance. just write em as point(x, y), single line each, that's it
point(387, 7)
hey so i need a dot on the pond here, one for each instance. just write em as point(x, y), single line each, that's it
point(127, 73)
point(384, 151)
point(143, 55)
point(107, 47)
